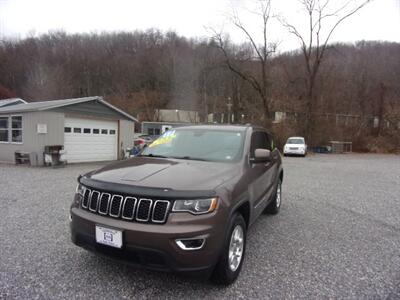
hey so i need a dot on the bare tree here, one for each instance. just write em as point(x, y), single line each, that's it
point(259, 54)
point(314, 45)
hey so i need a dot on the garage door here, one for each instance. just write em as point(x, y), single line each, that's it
point(90, 140)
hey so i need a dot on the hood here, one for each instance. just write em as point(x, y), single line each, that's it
point(172, 174)
point(295, 145)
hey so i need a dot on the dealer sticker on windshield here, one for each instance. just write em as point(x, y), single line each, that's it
point(108, 236)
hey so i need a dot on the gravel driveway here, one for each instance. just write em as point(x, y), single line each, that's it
point(337, 236)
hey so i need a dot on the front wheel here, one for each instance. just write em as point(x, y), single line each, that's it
point(231, 260)
point(275, 205)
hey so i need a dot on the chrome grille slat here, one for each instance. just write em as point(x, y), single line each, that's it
point(141, 207)
point(125, 206)
point(116, 198)
point(86, 198)
point(94, 201)
point(129, 208)
point(165, 211)
point(105, 197)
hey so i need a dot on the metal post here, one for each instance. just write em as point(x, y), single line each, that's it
point(229, 104)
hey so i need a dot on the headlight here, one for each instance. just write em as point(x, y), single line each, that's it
point(80, 189)
point(196, 207)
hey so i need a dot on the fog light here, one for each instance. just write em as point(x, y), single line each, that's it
point(191, 244)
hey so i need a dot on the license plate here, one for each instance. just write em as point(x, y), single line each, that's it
point(108, 236)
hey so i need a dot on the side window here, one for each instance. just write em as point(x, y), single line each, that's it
point(258, 140)
point(269, 142)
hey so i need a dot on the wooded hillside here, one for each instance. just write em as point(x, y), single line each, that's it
point(139, 71)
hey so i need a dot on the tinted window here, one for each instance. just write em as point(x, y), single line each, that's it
point(77, 130)
point(86, 130)
point(67, 129)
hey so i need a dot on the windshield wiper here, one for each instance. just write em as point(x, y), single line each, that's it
point(153, 155)
point(188, 158)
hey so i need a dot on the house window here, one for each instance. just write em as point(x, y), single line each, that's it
point(4, 129)
point(77, 130)
point(112, 131)
point(150, 131)
point(157, 131)
point(16, 129)
point(11, 129)
point(104, 131)
point(86, 130)
point(67, 129)
point(96, 131)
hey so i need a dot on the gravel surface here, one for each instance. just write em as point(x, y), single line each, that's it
point(337, 236)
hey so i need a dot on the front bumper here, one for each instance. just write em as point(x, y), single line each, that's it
point(294, 151)
point(153, 246)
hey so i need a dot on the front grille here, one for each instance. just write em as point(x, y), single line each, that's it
point(125, 206)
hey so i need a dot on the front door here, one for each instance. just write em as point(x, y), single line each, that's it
point(261, 175)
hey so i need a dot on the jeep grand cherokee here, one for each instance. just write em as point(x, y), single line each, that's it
point(185, 203)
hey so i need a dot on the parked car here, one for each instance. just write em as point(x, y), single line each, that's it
point(185, 203)
point(295, 146)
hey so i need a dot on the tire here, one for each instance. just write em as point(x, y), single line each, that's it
point(224, 272)
point(275, 205)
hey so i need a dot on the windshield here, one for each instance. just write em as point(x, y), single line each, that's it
point(295, 141)
point(198, 144)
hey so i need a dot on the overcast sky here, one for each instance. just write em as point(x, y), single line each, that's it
point(379, 20)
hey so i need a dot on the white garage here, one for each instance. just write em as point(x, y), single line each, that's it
point(88, 129)
point(87, 140)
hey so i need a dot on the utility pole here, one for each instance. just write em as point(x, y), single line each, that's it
point(229, 104)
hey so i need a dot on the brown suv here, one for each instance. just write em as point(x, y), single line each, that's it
point(185, 203)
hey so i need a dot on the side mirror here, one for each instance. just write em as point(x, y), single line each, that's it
point(261, 155)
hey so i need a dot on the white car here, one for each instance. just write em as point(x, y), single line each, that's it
point(295, 145)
